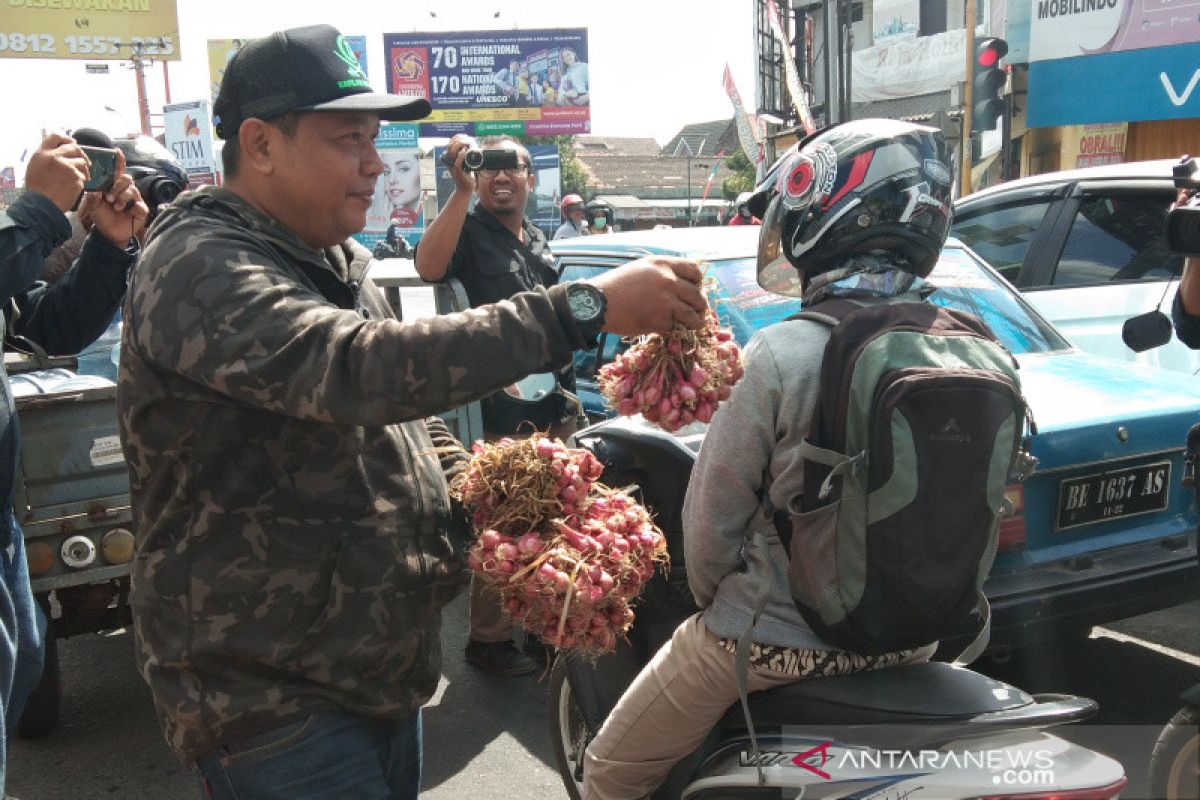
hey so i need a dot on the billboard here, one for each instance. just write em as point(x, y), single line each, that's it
point(221, 50)
point(398, 194)
point(1145, 84)
point(541, 207)
point(93, 31)
point(519, 82)
point(1071, 28)
point(187, 132)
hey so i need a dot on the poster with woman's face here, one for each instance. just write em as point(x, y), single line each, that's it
point(397, 203)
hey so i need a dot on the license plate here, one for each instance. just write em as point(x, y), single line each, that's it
point(1116, 493)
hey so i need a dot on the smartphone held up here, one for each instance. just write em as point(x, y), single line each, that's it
point(102, 170)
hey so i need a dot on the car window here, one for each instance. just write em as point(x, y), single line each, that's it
point(1002, 235)
point(964, 284)
point(1118, 238)
point(742, 305)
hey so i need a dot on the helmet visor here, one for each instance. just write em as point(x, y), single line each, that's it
point(775, 273)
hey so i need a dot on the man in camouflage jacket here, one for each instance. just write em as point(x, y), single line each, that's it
point(296, 541)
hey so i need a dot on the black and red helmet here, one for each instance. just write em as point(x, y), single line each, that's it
point(872, 185)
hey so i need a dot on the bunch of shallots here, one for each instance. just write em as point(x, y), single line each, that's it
point(675, 379)
point(567, 553)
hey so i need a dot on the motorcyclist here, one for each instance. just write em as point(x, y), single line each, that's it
point(742, 215)
point(393, 245)
point(811, 248)
point(573, 218)
point(599, 217)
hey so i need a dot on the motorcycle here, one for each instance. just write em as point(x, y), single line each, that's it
point(929, 730)
point(1175, 761)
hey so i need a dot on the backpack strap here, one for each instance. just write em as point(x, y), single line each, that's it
point(975, 649)
point(828, 312)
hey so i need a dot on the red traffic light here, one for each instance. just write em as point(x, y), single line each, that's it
point(988, 52)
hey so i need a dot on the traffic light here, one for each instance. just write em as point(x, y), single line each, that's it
point(987, 83)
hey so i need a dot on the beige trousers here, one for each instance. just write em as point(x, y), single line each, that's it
point(668, 710)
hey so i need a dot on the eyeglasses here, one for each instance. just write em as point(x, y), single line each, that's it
point(512, 172)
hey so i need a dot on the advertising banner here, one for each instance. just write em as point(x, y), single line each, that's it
point(221, 50)
point(1094, 145)
point(542, 205)
point(219, 53)
point(520, 82)
point(1147, 84)
point(908, 67)
point(398, 194)
point(187, 131)
point(1071, 28)
point(94, 31)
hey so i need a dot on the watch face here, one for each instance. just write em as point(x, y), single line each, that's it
point(585, 305)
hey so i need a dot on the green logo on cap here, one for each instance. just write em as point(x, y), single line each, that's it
point(346, 54)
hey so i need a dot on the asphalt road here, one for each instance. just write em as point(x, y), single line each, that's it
point(487, 736)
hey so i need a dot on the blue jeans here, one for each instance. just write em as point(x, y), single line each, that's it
point(323, 756)
point(22, 638)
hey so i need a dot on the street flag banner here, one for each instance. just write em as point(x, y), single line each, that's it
point(748, 135)
point(712, 176)
point(799, 96)
point(488, 83)
point(92, 31)
point(187, 131)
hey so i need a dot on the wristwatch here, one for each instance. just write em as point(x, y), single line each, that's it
point(587, 308)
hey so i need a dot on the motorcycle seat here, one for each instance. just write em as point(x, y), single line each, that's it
point(917, 705)
point(932, 692)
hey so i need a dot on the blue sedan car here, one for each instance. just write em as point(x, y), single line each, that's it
point(1103, 529)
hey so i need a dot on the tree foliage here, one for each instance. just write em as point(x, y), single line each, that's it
point(572, 176)
point(742, 179)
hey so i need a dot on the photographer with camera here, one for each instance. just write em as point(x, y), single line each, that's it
point(61, 319)
point(496, 252)
point(157, 178)
point(1185, 311)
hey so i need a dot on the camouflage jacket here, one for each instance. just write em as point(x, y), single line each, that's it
point(295, 535)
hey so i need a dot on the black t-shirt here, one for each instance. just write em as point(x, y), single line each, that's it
point(493, 265)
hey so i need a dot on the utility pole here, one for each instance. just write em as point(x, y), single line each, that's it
point(139, 72)
point(968, 100)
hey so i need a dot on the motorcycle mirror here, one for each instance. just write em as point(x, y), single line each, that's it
point(533, 387)
point(1146, 331)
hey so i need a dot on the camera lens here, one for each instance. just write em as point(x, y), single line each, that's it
point(473, 159)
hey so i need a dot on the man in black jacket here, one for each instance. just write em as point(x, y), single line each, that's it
point(62, 319)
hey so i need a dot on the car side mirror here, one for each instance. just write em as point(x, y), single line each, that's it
point(1146, 331)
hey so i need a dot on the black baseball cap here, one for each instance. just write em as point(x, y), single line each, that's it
point(302, 69)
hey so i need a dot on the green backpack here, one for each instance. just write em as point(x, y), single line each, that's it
point(919, 420)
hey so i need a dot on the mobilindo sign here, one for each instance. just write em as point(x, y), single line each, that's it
point(89, 29)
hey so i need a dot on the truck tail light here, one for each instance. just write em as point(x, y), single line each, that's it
point(40, 557)
point(1012, 518)
point(117, 546)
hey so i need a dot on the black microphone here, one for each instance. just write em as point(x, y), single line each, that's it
point(1146, 331)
